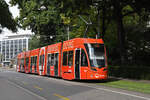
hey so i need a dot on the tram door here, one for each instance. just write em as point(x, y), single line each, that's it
point(77, 64)
point(56, 64)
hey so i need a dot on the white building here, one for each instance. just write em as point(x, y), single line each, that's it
point(11, 45)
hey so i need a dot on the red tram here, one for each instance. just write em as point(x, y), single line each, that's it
point(79, 58)
point(27, 61)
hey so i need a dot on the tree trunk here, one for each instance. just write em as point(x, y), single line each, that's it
point(103, 18)
point(98, 17)
point(120, 30)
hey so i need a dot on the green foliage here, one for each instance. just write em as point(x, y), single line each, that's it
point(34, 42)
point(130, 71)
point(42, 17)
point(6, 19)
point(123, 24)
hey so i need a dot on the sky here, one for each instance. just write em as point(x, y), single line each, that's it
point(15, 12)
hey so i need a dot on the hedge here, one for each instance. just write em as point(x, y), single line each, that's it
point(131, 72)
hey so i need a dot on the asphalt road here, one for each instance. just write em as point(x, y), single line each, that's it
point(20, 86)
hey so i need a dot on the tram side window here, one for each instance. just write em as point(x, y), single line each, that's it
point(52, 59)
point(70, 58)
point(19, 62)
point(84, 61)
point(56, 57)
point(22, 61)
point(35, 60)
point(31, 60)
point(27, 62)
point(64, 58)
point(40, 62)
point(48, 59)
point(43, 61)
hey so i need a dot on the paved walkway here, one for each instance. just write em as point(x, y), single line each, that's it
point(7, 69)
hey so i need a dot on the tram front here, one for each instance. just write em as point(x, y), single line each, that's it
point(97, 61)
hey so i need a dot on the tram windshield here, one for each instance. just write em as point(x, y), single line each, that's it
point(96, 54)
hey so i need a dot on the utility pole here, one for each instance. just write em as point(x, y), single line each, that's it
point(98, 17)
point(68, 31)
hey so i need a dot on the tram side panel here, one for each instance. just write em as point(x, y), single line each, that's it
point(68, 60)
point(53, 60)
point(42, 61)
point(18, 63)
point(86, 57)
point(79, 58)
point(22, 62)
point(71, 65)
point(27, 63)
point(34, 58)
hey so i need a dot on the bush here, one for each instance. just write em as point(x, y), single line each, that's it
point(132, 72)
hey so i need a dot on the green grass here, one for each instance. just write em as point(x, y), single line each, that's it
point(129, 85)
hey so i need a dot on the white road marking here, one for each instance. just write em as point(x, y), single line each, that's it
point(108, 90)
point(51, 79)
point(40, 97)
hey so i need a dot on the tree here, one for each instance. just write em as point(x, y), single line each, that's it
point(34, 42)
point(119, 9)
point(6, 19)
point(52, 18)
point(42, 17)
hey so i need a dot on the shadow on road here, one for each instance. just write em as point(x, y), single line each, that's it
point(98, 81)
point(111, 79)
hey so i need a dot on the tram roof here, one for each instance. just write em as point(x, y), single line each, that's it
point(85, 40)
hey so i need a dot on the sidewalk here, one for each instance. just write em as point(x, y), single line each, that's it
point(7, 69)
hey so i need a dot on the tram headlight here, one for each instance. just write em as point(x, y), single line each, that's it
point(96, 75)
